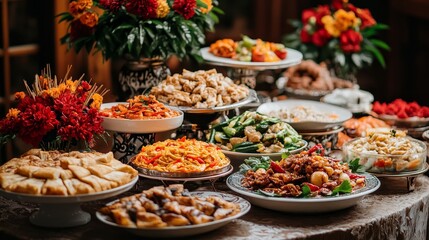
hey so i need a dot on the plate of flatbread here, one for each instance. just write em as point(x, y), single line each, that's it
point(54, 177)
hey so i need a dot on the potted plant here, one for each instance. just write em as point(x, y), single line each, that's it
point(340, 34)
point(144, 32)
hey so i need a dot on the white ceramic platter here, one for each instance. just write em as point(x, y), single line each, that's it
point(293, 57)
point(249, 99)
point(303, 205)
point(343, 114)
point(184, 231)
point(140, 126)
point(64, 211)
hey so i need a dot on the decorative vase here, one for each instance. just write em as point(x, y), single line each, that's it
point(138, 76)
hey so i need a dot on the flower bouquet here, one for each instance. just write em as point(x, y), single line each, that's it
point(140, 28)
point(340, 34)
point(55, 114)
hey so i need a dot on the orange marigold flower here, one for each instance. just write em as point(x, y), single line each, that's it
point(209, 7)
point(13, 113)
point(366, 18)
point(89, 19)
point(97, 100)
point(85, 3)
point(76, 9)
point(19, 95)
point(163, 9)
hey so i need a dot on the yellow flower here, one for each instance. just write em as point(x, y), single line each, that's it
point(341, 21)
point(19, 95)
point(62, 87)
point(344, 20)
point(330, 26)
point(52, 92)
point(209, 7)
point(97, 100)
point(163, 9)
point(72, 85)
point(85, 3)
point(13, 113)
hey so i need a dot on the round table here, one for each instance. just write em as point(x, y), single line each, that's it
point(390, 213)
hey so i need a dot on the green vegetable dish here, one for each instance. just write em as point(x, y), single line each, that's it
point(252, 132)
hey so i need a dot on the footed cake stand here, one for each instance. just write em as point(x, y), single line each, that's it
point(64, 211)
point(131, 135)
point(246, 71)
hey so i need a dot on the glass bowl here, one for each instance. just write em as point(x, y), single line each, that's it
point(387, 163)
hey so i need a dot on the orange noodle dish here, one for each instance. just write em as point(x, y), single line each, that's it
point(307, 174)
point(181, 155)
point(139, 108)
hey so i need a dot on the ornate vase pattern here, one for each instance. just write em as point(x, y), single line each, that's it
point(139, 76)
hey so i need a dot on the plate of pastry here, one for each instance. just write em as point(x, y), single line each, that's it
point(172, 212)
point(61, 181)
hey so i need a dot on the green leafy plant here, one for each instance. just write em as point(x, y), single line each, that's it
point(140, 28)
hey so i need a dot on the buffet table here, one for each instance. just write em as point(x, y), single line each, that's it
point(389, 213)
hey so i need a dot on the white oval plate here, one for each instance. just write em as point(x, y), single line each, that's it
point(53, 199)
point(185, 231)
point(304, 205)
point(293, 57)
point(343, 114)
point(140, 126)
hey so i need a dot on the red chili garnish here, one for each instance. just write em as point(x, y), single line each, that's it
point(312, 187)
point(182, 139)
point(354, 176)
point(199, 160)
point(276, 168)
point(153, 159)
point(318, 148)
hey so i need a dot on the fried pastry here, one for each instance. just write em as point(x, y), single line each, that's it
point(26, 170)
point(29, 185)
point(168, 206)
point(54, 187)
point(7, 179)
point(47, 173)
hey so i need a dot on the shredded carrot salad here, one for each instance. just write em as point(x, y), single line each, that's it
point(181, 155)
point(140, 107)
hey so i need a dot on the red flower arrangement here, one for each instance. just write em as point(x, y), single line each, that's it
point(340, 34)
point(55, 114)
point(140, 28)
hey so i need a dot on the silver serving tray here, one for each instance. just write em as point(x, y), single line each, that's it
point(251, 98)
point(155, 173)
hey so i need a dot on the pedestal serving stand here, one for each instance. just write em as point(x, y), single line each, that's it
point(64, 211)
point(246, 72)
point(131, 135)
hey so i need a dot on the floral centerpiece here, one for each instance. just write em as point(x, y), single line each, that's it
point(148, 28)
point(341, 34)
point(55, 114)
